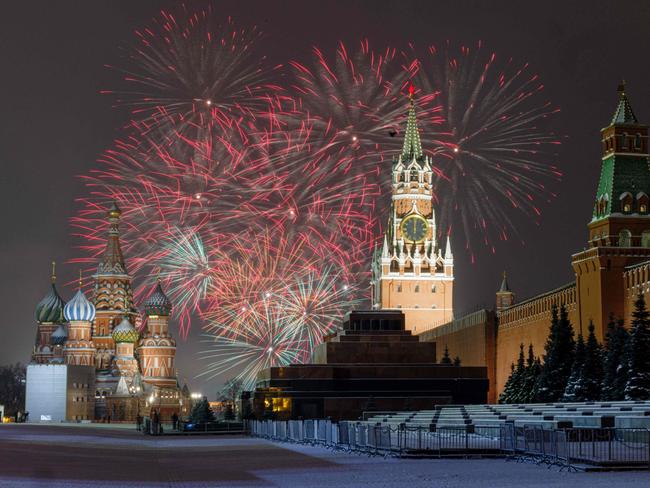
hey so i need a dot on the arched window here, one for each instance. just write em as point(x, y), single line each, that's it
point(626, 202)
point(642, 202)
point(625, 238)
point(637, 141)
point(414, 175)
point(645, 238)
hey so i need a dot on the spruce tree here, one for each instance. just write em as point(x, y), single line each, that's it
point(591, 376)
point(530, 379)
point(457, 361)
point(638, 353)
point(558, 357)
point(519, 377)
point(615, 364)
point(508, 388)
point(201, 412)
point(445, 357)
point(571, 393)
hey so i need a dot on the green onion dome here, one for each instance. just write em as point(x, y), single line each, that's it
point(125, 332)
point(59, 336)
point(50, 308)
point(158, 303)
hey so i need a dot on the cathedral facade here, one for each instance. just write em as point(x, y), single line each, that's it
point(410, 271)
point(126, 371)
point(609, 273)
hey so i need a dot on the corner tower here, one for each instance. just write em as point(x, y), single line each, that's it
point(619, 230)
point(410, 271)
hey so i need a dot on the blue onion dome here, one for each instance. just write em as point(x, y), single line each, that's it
point(59, 336)
point(79, 308)
point(157, 303)
point(125, 332)
point(50, 308)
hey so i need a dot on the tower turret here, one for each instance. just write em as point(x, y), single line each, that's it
point(49, 315)
point(125, 336)
point(619, 230)
point(157, 348)
point(621, 209)
point(113, 297)
point(79, 312)
point(505, 297)
point(409, 271)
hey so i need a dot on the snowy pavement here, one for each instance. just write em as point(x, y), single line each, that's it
point(58, 457)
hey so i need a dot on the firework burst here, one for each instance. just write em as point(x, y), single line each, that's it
point(258, 203)
point(493, 149)
point(187, 69)
point(274, 307)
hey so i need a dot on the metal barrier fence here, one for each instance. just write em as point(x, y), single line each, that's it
point(382, 439)
point(559, 447)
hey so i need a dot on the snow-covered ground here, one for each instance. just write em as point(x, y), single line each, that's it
point(45, 457)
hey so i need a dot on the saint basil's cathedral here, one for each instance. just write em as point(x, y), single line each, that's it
point(90, 361)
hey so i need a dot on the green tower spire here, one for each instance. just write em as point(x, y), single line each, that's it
point(412, 147)
point(624, 186)
point(624, 113)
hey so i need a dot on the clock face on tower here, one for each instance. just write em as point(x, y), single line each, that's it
point(414, 228)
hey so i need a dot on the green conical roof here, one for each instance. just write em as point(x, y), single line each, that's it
point(412, 147)
point(624, 113)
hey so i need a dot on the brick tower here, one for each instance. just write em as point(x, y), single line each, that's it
point(410, 272)
point(157, 348)
point(79, 348)
point(619, 231)
point(49, 317)
point(113, 297)
point(505, 297)
point(125, 337)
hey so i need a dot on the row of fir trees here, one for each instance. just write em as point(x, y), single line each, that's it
point(575, 370)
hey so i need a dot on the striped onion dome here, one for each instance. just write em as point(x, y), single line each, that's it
point(125, 332)
point(79, 309)
point(59, 336)
point(50, 308)
point(157, 303)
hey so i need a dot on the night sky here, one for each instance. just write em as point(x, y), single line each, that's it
point(54, 123)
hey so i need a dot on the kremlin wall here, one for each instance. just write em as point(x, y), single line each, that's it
point(609, 273)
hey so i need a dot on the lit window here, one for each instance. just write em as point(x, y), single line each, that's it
point(643, 208)
point(627, 207)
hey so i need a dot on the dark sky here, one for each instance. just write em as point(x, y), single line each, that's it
point(54, 123)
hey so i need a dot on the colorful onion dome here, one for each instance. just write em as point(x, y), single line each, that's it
point(59, 336)
point(50, 308)
point(157, 303)
point(125, 332)
point(79, 309)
